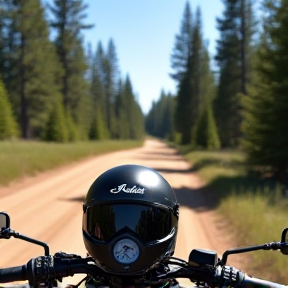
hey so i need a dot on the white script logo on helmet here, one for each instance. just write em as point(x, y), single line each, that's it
point(123, 188)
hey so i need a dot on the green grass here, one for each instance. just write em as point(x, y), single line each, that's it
point(255, 207)
point(256, 222)
point(21, 158)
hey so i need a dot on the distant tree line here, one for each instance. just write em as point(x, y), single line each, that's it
point(55, 89)
point(244, 102)
point(160, 119)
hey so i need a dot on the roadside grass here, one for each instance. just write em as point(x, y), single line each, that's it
point(257, 221)
point(256, 208)
point(22, 158)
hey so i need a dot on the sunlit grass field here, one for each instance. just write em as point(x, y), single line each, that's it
point(21, 158)
point(256, 208)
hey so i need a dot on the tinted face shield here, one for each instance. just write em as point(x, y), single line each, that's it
point(128, 238)
point(150, 224)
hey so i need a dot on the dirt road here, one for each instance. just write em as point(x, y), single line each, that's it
point(48, 207)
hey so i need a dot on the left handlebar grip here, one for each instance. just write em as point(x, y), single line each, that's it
point(36, 270)
point(12, 274)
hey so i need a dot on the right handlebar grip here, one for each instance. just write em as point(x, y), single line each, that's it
point(12, 274)
point(259, 283)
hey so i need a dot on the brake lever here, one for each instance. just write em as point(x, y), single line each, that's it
point(64, 255)
point(199, 275)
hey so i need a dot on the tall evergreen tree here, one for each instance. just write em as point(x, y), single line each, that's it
point(130, 119)
point(8, 125)
point(110, 82)
point(138, 127)
point(2, 38)
point(99, 129)
point(56, 129)
point(6, 24)
point(31, 65)
point(72, 128)
point(67, 24)
point(189, 93)
point(97, 79)
point(150, 120)
point(182, 48)
point(205, 132)
point(234, 49)
point(266, 106)
point(123, 125)
point(118, 113)
point(81, 102)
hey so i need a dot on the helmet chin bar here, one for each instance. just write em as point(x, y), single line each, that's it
point(126, 255)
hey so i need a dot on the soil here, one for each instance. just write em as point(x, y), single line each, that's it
point(48, 206)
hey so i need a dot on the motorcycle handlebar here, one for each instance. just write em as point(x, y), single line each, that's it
point(231, 277)
point(259, 283)
point(12, 274)
point(44, 269)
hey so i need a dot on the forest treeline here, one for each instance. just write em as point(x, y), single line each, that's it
point(237, 99)
point(52, 88)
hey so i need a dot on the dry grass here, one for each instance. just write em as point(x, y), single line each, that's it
point(20, 158)
point(256, 208)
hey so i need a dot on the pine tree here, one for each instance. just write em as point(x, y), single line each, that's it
point(150, 120)
point(97, 79)
point(138, 130)
point(130, 119)
point(72, 129)
point(79, 96)
point(6, 8)
point(182, 48)
point(6, 39)
point(56, 129)
point(123, 125)
point(2, 38)
point(234, 49)
point(98, 95)
point(160, 121)
point(67, 24)
point(189, 93)
point(98, 129)
point(31, 64)
point(266, 106)
point(135, 115)
point(206, 134)
point(110, 82)
point(8, 126)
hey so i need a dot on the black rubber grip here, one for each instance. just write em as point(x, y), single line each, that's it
point(12, 274)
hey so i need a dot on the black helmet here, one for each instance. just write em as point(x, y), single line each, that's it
point(130, 220)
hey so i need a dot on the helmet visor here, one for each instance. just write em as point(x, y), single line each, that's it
point(150, 223)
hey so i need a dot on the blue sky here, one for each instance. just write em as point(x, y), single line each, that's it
point(144, 35)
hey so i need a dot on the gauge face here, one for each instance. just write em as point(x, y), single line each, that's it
point(126, 251)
